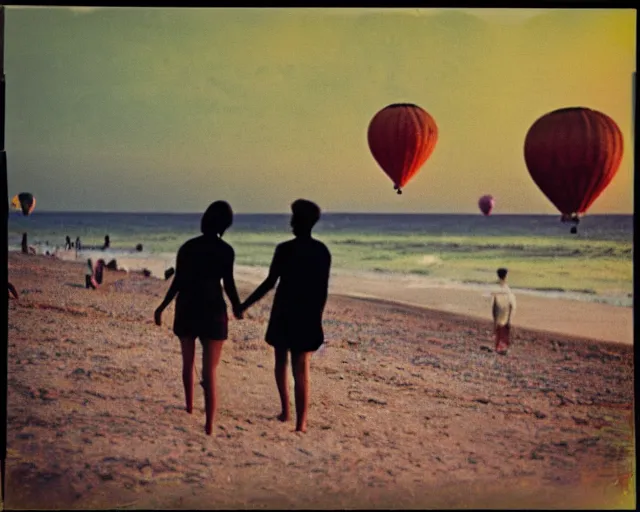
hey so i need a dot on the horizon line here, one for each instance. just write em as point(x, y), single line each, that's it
point(115, 212)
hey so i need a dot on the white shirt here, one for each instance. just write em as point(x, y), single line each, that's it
point(503, 304)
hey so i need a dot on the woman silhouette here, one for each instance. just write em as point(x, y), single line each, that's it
point(201, 312)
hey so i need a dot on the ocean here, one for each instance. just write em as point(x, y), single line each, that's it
point(542, 256)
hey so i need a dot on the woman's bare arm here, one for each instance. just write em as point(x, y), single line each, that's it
point(171, 292)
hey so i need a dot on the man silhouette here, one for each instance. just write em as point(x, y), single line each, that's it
point(301, 266)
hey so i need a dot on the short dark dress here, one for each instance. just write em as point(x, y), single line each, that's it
point(303, 267)
point(201, 311)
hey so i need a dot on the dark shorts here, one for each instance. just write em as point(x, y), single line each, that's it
point(211, 327)
point(293, 346)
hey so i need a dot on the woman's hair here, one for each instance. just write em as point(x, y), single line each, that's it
point(307, 213)
point(217, 218)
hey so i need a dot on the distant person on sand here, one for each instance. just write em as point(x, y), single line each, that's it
point(67, 243)
point(13, 291)
point(302, 266)
point(107, 243)
point(78, 244)
point(503, 307)
point(26, 248)
point(94, 275)
point(201, 312)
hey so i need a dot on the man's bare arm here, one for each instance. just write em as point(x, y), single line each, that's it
point(266, 285)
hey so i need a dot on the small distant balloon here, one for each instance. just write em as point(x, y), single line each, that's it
point(486, 204)
point(401, 138)
point(24, 202)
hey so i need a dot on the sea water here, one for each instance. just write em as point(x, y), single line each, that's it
point(541, 254)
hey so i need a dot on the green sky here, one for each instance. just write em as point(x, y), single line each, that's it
point(169, 109)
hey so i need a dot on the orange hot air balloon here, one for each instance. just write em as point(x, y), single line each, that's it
point(401, 138)
point(25, 202)
point(486, 204)
point(572, 155)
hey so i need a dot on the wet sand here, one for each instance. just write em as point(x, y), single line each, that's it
point(411, 408)
point(597, 321)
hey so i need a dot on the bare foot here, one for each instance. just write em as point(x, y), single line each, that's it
point(208, 429)
point(302, 428)
point(284, 416)
point(189, 410)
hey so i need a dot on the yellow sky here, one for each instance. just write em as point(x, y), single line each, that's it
point(260, 106)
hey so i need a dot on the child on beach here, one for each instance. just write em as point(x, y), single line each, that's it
point(201, 312)
point(503, 307)
point(302, 266)
point(93, 277)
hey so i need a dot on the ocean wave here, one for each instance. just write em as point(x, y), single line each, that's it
point(158, 263)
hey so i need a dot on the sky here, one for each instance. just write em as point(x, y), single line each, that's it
point(167, 110)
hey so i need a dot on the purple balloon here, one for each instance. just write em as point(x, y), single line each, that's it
point(486, 204)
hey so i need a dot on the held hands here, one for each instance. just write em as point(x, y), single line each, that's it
point(238, 312)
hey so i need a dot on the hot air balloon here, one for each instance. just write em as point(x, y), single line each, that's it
point(572, 155)
point(486, 204)
point(25, 202)
point(401, 138)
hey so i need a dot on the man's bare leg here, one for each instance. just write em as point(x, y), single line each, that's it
point(211, 353)
point(280, 372)
point(188, 346)
point(300, 364)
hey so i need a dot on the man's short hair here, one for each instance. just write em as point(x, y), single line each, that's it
point(217, 218)
point(307, 213)
point(502, 273)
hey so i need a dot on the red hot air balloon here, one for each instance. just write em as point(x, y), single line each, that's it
point(572, 155)
point(401, 138)
point(486, 204)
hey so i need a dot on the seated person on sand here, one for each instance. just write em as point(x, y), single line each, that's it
point(302, 266)
point(201, 312)
point(93, 277)
point(26, 248)
point(503, 307)
point(13, 291)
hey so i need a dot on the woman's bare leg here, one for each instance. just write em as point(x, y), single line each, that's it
point(188, 346)
point(300, 364)
point(281, 381)
point(211, 353)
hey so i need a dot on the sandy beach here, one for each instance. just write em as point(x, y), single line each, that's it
point(410, 406)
